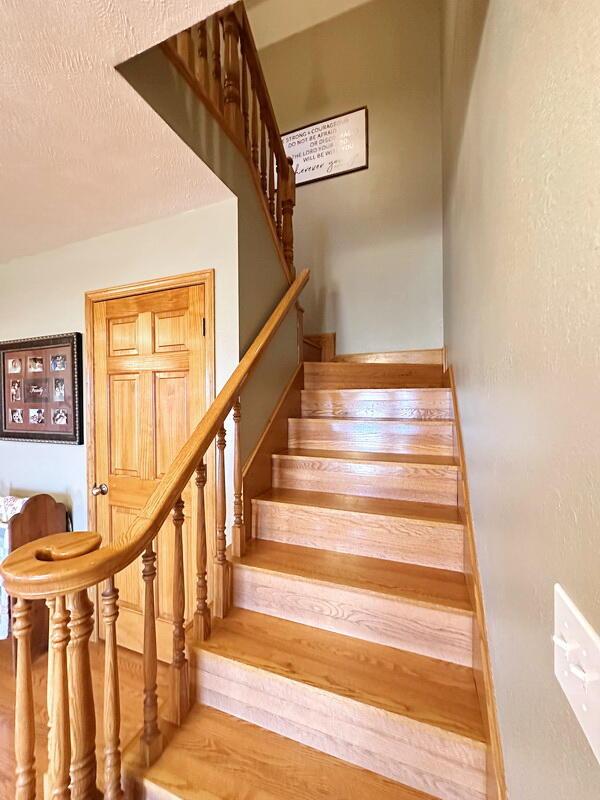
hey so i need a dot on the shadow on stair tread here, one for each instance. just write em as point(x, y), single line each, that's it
point(215, 756)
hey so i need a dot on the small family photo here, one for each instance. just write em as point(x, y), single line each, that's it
point(15, 391)
point(58, 363)
point(60, 416)
point(59, 390)
point(16, 416)
point(14, 365)
point(36, 416)
point(36, 390)
point(35, 364)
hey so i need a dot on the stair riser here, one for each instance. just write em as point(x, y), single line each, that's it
point(375, 436)
point(393, 538)
point(379, 404)
point(371, 376)
point(419, 628)
point(421, 483)
point(418, 755)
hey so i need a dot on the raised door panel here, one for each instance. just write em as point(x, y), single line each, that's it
point(123, 336)
point(128, 580)
point(172, 418)
point(124, 424)
point(170, 331)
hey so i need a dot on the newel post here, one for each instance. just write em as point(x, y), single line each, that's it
point(288, 201)
point(233, 111)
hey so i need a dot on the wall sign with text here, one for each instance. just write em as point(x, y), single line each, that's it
point(334, 146)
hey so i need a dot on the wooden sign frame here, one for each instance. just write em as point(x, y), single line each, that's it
point(365, 165)
point(41, 389)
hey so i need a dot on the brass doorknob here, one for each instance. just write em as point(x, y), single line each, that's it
point(102, 489)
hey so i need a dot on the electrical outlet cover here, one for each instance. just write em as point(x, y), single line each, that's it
point(577, 664)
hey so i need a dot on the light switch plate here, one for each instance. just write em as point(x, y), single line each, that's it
point(577, 664)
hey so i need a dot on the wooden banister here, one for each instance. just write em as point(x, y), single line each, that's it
point(62, 568)
point(67, 563)
point(220, 61)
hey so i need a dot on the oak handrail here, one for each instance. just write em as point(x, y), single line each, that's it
point(65, 563)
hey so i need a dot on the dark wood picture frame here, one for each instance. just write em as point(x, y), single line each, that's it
point(327, 119)
point(41, 389)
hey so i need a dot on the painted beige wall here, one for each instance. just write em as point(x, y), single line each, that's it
point(45, 294)
point(522, 324)
point(374, 238)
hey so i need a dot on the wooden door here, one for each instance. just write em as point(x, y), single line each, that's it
point(149, 378)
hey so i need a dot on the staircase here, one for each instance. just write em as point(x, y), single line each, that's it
point(350, 638)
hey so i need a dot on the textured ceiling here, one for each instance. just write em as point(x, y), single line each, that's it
point(80, 152)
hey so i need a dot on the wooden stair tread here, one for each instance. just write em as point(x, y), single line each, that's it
point(423, 689)
point(343, 421)
point(407, 403)
point(341, 375)
point(358, 455)
point(215, 756)
point(431, 512)
point(424, 585)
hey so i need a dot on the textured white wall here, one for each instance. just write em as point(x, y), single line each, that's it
point(80, 153)
point(44, 294)
point(522, 324)
point(373, 239)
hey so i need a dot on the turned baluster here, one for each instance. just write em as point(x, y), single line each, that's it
point(233, 111)
point(254, 133)
point(180, 686)
point(202, 71)
point(112, 702)
point(278, 211)
point(202, 614)
point(185, 49)
point(59, 743)
point(51, 604)
point(217, 86)
point(81, 699)
point(288, 201)
point(263, 155)
point(245, 106)
point(271, 178)
point(239, 530)
point(24, 714)
point(222, 568)
point(151, 739)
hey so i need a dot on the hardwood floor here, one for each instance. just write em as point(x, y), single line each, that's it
point(131, 684)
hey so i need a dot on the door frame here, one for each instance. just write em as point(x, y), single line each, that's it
point(207, 279)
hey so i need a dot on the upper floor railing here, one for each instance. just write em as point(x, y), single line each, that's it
point(219, 59)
